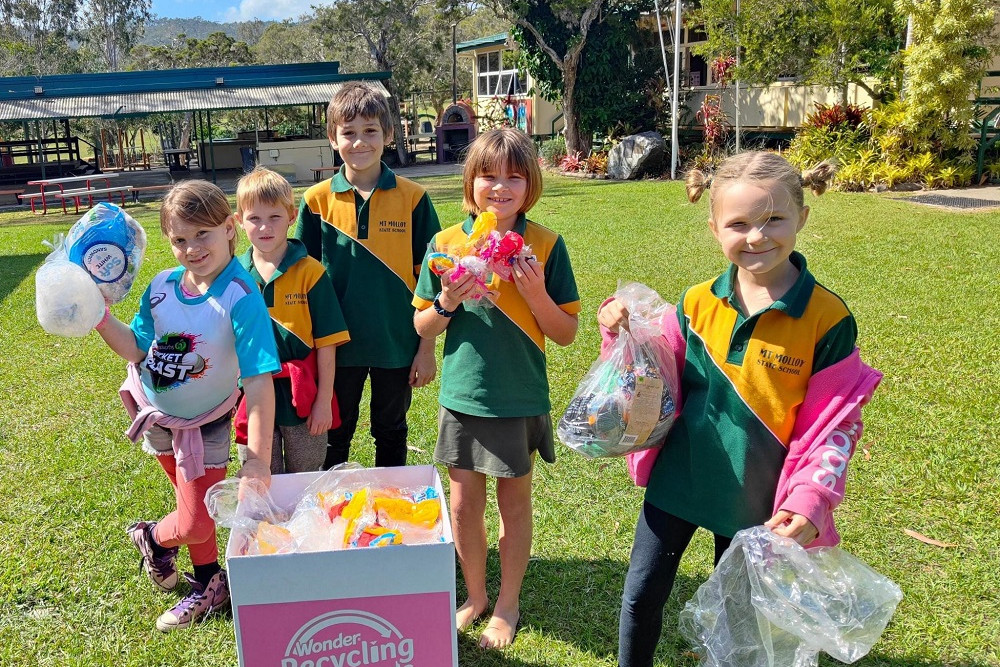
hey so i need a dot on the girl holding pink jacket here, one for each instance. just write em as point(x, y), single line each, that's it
point(771, 390)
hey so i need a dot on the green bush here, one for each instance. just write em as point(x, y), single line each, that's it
point(553, 150)
point(879, 151)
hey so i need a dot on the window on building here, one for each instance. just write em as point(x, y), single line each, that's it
point(698, 72)
point(494, 80)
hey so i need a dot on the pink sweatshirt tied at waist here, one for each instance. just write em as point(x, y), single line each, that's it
point(189, 448)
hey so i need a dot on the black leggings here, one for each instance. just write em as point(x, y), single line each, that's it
point(660, 541)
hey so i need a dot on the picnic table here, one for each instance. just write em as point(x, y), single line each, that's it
point(58, 192)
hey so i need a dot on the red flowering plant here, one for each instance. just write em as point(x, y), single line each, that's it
point(714, 123)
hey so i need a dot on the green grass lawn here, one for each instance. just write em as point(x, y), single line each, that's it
point(70, 589)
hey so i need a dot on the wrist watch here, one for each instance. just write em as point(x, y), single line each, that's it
point(439, 309)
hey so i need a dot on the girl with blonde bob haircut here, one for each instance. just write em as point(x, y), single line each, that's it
point(494, 415)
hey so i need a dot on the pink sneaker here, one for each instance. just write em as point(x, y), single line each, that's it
point(202, 600)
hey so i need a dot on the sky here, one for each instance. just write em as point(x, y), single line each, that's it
point(234, 10)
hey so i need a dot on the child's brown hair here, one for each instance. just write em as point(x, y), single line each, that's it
point(198, 203)
point(358, 99)
point(759, 166)
point(265, 186)
point(504, 146)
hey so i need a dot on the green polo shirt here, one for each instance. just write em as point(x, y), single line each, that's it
point(305, 314)
point(372, 249)
point(494, 357)
point(744, 378)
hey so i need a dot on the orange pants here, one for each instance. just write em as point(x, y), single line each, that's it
point(190, 523)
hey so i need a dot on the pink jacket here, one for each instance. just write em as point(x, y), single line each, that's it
point(827, 429)
point(189, 448)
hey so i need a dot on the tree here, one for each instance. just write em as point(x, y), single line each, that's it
point(401, 36)
point(953, 41)
point(39, 32)
point(560, 29)
point(113, 27)
point(613, 76)
point(826, 42)
point(288, 42)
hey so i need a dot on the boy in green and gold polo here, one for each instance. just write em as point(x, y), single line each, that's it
point(306, 319)
point(370, 229)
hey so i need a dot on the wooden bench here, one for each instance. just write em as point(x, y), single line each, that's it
point(77, 195)
point(15, 192)
point(149, 188)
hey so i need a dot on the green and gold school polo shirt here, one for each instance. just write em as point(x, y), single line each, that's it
point(305, 314)
point(494, 357)
point(743, 382)
point(372, 250)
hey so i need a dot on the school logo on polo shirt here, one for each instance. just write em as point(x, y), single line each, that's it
point(393, 226)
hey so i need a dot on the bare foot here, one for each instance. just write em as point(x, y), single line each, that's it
point(468, 613)
point(500, 631)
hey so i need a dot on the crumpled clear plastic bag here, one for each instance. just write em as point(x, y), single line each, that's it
point(627, 401)
point(67, 301)
point(90, 267)
point(772, 603)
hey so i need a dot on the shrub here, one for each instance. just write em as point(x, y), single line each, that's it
point(836, 115)
point(553, 150)
point(597, 163)
point(572, 162)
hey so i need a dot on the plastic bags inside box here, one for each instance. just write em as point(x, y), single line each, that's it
point(341, 509)
point(627, 400)
point(772, 603)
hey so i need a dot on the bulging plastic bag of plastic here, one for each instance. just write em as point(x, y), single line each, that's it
point(772, 603)
point(109, 244)
point(627, 400)
point(67, 301)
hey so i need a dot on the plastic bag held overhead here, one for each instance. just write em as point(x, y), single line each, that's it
point(772, 603)
point(627, 401)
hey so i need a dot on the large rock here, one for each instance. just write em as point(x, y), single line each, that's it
point(636, 155)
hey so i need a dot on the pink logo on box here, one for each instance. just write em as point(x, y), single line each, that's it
point(388, 631)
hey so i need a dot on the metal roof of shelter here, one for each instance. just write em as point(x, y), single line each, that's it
point(498, 39)
point(121, 94)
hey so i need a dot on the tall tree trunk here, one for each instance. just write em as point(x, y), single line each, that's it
point(397, 122)
point(577, 141)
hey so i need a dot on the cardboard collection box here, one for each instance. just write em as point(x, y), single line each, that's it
point(377, 607)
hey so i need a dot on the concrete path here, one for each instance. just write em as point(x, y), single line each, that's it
point(976, 199)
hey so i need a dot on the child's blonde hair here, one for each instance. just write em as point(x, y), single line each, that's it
point(357, 99)
point(198, 203)
point(264, 186)
point(759, 166)
point(502, 147)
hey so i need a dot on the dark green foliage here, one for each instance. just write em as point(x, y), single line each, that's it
point(617, 66)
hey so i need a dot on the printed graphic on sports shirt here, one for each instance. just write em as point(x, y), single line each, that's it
point(174, 360)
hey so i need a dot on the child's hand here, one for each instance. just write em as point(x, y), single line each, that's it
point(256, 475)
point(453, 293)
point(529, 278)
point(424, 367)
point(795, 526)
point(320, 417)
point(613, 316)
